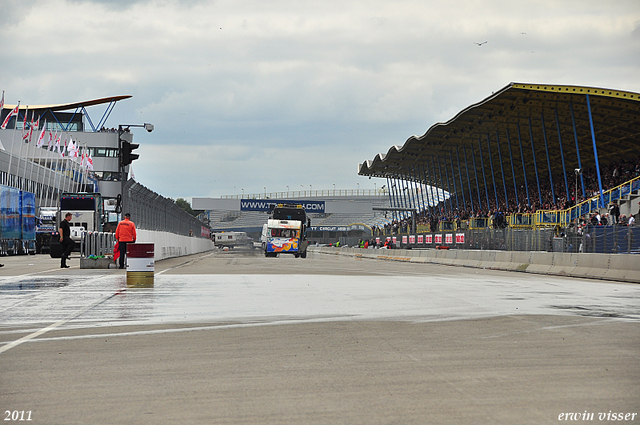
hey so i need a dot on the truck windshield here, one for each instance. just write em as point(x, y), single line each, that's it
point(283, 233)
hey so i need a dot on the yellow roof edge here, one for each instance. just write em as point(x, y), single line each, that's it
point(557, 88)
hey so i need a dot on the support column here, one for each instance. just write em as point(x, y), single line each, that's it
point(564, 169)
point(535, 164)
point(524, 170)
point(484, 175)
point(513, 172)
point(473, 156)
point(575, 136)
point(466, 164)
point(595, 152)
point(464, 200)
point(444, 200)
point(446, 174)
point(504, 182)
point(546, 148)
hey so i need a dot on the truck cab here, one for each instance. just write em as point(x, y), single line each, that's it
point(285, 231)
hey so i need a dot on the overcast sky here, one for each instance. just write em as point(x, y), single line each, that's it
point(248, 94)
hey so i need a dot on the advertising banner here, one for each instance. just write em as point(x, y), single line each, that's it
point(438, 238)
point(448, 238)
point(459, 237)
point(428, 239)
point(420, 239)
point(264, 205)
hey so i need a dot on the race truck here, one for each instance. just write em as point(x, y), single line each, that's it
point(17, 221)
point(286, 231)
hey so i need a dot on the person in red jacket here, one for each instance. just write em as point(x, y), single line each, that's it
point(125, 233)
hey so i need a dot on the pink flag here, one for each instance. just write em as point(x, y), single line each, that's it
point(12, 113)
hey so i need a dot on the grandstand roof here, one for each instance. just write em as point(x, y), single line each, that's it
point(73, 105)
point(522, 113)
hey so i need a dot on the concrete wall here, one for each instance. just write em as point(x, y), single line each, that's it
point(168, 245)
point(618, 267)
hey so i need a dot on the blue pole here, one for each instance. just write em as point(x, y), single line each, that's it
point(466, 164)
point(564, 169)
point(444, 201)
point(575, 136)
point(513, 170)
point(484, 175)
point(425, 206)
point(595, 152)
point(453, 178)
point(535, 164)
point(504, 182)
point(473, 156)
point(524, 171)
point(396, 202)
point(493, 175)
point(546, 148)
point(434, 199)
point(390, 189)
point(464, 200)
point(446, 174)
point(423, 189)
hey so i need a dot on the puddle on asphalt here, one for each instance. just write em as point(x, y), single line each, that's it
point(33, 283)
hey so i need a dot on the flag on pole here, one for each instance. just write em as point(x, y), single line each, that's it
point(90, 162)
point(2, 101)
point(41, 138)
point(13, 112)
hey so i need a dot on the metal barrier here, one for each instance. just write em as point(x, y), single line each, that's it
point(97, 244)
point(151, 211)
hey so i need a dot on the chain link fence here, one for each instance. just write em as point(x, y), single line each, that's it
point(151, 211)
point(593, 239)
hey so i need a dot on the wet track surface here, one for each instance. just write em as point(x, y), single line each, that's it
point(374, 290)
point(233, 337)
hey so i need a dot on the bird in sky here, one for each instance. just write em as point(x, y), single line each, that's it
point(480, 44)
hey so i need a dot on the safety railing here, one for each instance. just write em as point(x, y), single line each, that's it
point(547, 218)
point(446, 226)
point(479, 223)
point(97, 244)
point(593, 204)
point(520, 221)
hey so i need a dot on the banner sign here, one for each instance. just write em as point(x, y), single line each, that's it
point(438, 238)
point(459, 237)
point(265, 204)
point(420, 239)
point(448, 238)
point(337, 228)
point(412, 239)
point(428, 239)
point(404, 239)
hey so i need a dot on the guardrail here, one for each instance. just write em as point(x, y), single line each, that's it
point(593, 204)
point(97, 244)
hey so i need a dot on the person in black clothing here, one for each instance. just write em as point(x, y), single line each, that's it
point(65, 240)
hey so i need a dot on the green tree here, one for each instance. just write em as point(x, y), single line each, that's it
point(185, 205)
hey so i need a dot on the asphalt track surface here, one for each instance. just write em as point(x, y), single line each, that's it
point(236, 338)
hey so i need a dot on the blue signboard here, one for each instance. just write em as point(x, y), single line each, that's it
point(265, 204)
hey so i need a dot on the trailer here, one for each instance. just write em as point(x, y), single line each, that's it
point(17, 221)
